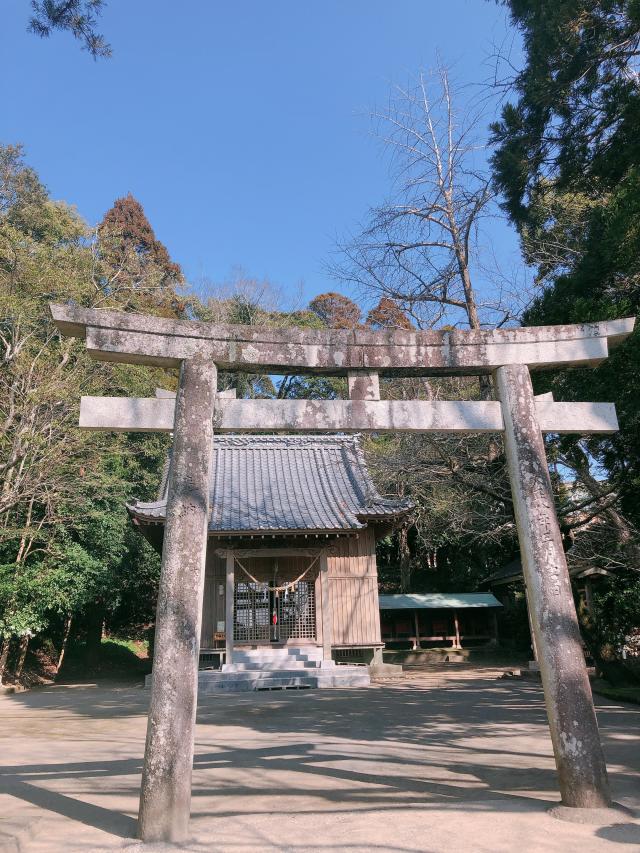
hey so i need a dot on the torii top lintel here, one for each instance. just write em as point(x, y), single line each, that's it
point(143, 339)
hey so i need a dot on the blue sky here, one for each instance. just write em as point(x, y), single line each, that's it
point(242, 126)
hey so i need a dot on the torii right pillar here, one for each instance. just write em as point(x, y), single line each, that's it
point(574, 729)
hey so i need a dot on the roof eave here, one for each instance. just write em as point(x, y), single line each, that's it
point(140, 519)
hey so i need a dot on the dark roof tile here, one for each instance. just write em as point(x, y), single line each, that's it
point(286, 483)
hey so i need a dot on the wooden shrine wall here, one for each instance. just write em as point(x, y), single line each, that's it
point(214, 599)
point(353, 589)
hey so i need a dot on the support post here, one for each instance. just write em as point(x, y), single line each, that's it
point(327, 622)
point(363, 385)
point(228, 606)
point(588, 595)
point(165, 797)
point(416, 627)
point(456, 625)
point(494, 629)
point(574, 730)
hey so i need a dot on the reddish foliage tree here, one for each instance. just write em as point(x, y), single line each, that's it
point(336, 310)
point(388, 315)
point(137, 266)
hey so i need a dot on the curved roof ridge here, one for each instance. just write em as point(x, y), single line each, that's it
point(372, 496)
point(286, 483)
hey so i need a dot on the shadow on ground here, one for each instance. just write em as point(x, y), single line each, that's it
point(477, 745)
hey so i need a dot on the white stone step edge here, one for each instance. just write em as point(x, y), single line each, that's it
point(274, 666)
point(257, 674)
point(310, 649)
point(355, 680)
point(267, 657)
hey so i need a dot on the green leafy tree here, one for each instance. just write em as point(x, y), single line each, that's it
point(572, 125)
point(567, 163)
point(64, 532)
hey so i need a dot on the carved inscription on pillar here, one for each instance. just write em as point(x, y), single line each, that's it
point(548, 546)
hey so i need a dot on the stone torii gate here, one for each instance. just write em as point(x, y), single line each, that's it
point(200, 349)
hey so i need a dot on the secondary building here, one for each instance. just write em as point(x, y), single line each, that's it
point(454, 620)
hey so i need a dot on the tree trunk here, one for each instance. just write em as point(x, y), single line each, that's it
point(4, 656)
point(65, 641)
point(461, 250)
point(469, 295)
point(24, 645)
point(94, 626)
point(405, 558)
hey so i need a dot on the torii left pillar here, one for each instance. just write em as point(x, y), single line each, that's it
point(165, 797)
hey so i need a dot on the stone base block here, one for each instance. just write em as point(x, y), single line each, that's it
point(594, 817)
point(385, 670)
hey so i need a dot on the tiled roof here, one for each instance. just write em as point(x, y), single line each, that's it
point(507, 574)
point(512, 572)
point(288, 483)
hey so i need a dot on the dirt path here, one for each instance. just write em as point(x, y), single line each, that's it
point(442, 762)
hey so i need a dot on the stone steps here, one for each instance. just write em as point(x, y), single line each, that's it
point(280, 668)
point(276, 665)
point(308, 652)
point(276, 659)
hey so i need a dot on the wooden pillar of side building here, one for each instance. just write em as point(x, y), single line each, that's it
point(588, 595)
point(165, 796)
point(456, 625)
point(228, 605)
point(494, 628)
point(574, 730)
point(327, 622)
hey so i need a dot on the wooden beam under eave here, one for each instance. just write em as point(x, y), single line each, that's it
point(126, 414)
point(271, 552)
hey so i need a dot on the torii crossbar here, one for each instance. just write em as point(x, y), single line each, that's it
point(200, 349)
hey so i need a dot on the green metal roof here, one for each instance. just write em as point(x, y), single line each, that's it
point(438, 601)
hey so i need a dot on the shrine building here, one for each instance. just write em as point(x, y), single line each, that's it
point(291, 586)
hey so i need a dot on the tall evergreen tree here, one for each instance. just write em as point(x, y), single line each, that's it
point(138, 272)
point(79, 17)
point(567, 164)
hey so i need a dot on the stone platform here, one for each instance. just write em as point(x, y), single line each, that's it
point(281, 668)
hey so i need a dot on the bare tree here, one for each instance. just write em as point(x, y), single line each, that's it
point(421, 248)
point(426, 250)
